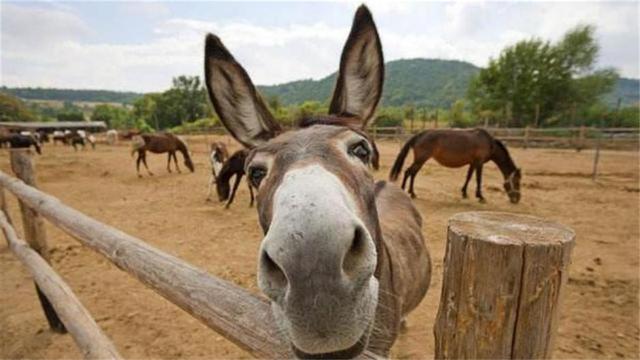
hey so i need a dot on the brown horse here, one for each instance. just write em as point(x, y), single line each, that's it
point(455, 148)
point(217, 156)
point(343, 259)
point(158, 144)
point(234, 166)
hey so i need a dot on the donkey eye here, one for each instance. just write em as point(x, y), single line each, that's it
point(361, 151)
point(256, 174)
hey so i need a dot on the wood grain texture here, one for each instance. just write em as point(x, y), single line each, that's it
point(34, 229)
point(240, 316)
point(92, 342)
point(502, 286)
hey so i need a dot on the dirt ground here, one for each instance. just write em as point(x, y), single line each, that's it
point(599, 313)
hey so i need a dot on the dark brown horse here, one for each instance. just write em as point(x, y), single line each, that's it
point(19, 141)
point(342, 259)
point(218, 154)
point(234, 166)
point(455, 148)
point(158, 144)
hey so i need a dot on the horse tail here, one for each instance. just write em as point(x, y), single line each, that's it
point(137, 143)
point(397, 165)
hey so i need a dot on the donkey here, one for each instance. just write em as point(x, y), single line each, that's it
point(158, 144)
point(234, 166)
point(342, 259)
point(455, 148)
point(217, 156)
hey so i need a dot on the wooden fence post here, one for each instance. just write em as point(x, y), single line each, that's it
point(581, 135)
point(4, 206)
point(503, 279)
point(526, 137)
point(33, 228)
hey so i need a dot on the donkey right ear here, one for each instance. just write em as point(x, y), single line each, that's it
point(235, 99)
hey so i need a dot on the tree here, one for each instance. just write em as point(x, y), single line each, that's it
point(116, 117)
point(535, 73)
point(13, 109)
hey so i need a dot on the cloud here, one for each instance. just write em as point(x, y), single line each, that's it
point(53, 46)
point(148, 9)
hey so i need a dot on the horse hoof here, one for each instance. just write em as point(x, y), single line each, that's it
point(413, 196)
point(482, 201)
point(140, 176)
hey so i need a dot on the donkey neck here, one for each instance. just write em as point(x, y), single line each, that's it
point(501, 157)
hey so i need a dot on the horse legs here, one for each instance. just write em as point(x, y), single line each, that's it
point(212, 180)
point(466, 182)
point(233, 191)
point(250, 193)
point(143, 155)
point(412, 171)
point(138, 160)
point(175, 161)
point(479, 183)
point(169, 162)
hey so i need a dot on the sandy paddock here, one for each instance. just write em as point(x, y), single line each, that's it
point(600, 311)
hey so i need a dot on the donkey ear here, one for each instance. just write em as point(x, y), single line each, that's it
point(235, 99)
point(359, 85)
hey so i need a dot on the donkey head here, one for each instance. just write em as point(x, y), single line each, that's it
point(316, 197)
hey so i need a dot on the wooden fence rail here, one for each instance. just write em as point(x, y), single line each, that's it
point(235, 313)
point(92, 342)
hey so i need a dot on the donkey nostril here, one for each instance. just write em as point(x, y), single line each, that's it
point(272, 273)
point(356, 252)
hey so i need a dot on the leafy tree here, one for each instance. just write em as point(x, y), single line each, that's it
point(70, 116)
point(116, 117)
point(555, 77)
point(13, 109)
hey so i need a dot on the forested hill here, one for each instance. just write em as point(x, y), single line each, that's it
point(72, 95)
point(424, 82)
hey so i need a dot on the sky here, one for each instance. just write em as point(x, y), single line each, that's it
point(140, 46)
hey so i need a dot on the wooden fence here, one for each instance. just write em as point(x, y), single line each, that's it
point(567, 137)
point(489, 255)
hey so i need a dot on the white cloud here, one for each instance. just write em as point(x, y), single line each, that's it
point(49, 47)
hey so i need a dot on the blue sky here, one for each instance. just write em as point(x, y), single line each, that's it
point(140, 46)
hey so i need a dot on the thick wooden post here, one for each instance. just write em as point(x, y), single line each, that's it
point(4, 206)
point(503, 279)
point(526, 137)
point(33, 228)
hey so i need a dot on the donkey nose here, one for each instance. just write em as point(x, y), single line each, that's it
point(307, 260)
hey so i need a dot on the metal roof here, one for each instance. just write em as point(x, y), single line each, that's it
point(53, 125)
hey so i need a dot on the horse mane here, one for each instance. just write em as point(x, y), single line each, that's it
point(507, 156)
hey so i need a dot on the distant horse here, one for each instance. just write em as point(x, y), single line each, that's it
point(233, 166)
point(75, 139)
point(456, 148)
point(158, 144)
point(59, 136)
point(44, 136)
point(19, 141)
point(217, 157)
point(112, 137)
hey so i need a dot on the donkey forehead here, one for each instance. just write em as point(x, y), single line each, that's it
point(317, 141)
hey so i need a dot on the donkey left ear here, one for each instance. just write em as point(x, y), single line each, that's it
point(237, 102)
point(359, 84)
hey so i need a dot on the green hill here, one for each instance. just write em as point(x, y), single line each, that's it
point(424, 82)
point(626, 89)
point(123, 97)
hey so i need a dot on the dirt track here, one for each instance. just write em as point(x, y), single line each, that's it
point(600, 310)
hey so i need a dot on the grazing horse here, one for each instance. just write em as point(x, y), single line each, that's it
point(217, 156)
point(158, 144)
point(19, 141)
point(75, 139)
point(456, 148)
point(59, 136)
point(342, 259)
point(233, 166)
